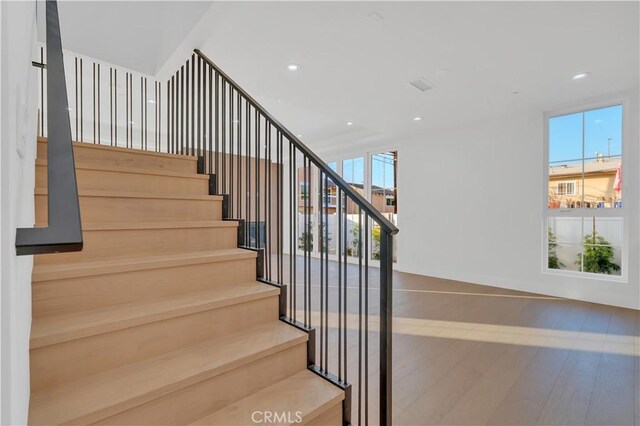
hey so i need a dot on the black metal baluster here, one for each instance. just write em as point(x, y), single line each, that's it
point(231, 150)
point(131, 108)
point(115, 107)
point(345, 289)
point(186, 149)
point(294, 235)
point(199, 142)
point(42, 115)
point(321, 251)
point(306, 238)
point(126, 108)
point(77, 112)
point(211, 169)
point(99, 116)
point(93, 99)
point(239, 157)
point(366, 319)
point(192, 140)
point(217, 121)
point(142, 117)
point(359, 315)
point(81, 103)
point(146, 116)
point(339, 256)
point(182, 118)
point(257, 180)
point(223, 123)
point(386, 315)
point(325, 242)
point(267, 199)
point(248, 172)
point(111, 105)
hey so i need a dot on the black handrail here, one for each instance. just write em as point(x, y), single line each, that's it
point(384, 223)
point(64, 230)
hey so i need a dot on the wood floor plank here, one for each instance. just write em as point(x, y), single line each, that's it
point(569, 399)
point(614, 399)
point(527, 397)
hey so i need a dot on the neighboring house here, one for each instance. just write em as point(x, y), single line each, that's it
point(566, 186)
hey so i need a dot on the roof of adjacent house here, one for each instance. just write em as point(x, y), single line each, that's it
point(602, 166)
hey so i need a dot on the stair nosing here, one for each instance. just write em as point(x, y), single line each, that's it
point(134, 226)
point(83, 165)
point(147, 195)
point(128, 150)
point(312, 414)
point(124, 322)
point(297, 337)
point(83, 269)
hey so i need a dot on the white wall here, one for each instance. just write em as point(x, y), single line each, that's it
point(17, 156)
point(471, 201)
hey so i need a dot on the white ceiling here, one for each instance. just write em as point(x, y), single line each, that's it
point(355, 68)
point(139, 35)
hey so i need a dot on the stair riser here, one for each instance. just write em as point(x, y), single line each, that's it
point(88, 153)
point(116, 209)
point(99, 244)
point(74, 359)
point(131, 182)
point(195, 401)
point(331, 417)
point(62, 296)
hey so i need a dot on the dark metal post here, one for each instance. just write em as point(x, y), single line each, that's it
point(386, 330)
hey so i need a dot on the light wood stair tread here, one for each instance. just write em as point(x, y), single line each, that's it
point(101, 395)
point(50, 330)
point(304, 392)
point(128, 150)
point(109, 226)
point(119, 194)
point(45, 272)
point(133, 170)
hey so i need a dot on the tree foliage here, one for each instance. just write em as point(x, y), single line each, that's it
point(597, 256)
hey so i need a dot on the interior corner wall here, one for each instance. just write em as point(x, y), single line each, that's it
point(18, 107)
point(471, 203)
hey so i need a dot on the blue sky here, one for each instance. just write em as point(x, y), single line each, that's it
point(566, 134)
point(381, 170)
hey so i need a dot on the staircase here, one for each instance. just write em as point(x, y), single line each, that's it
point(160, 318)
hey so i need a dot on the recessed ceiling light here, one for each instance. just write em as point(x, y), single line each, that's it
point(349, 123)
point(417, 118)
point(298, 136)
point(293, 67)
point(580, 76)
point(151, 101)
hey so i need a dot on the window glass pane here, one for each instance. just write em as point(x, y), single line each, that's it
point(331, 202)
point(602, 242)
point(353, 174)
point(306, 203)
point(603, 157)
point(565, 161)
point(384, 194)
point(564, 242)
point(590, 244)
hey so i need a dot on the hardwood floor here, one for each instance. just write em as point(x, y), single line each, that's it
point(472, 355)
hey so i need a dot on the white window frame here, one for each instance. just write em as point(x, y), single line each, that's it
point(622, 212)
point(566, 183)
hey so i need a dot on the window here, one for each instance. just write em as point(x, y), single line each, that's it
point(584, 210)
point(566, 188)
point(383, 193)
